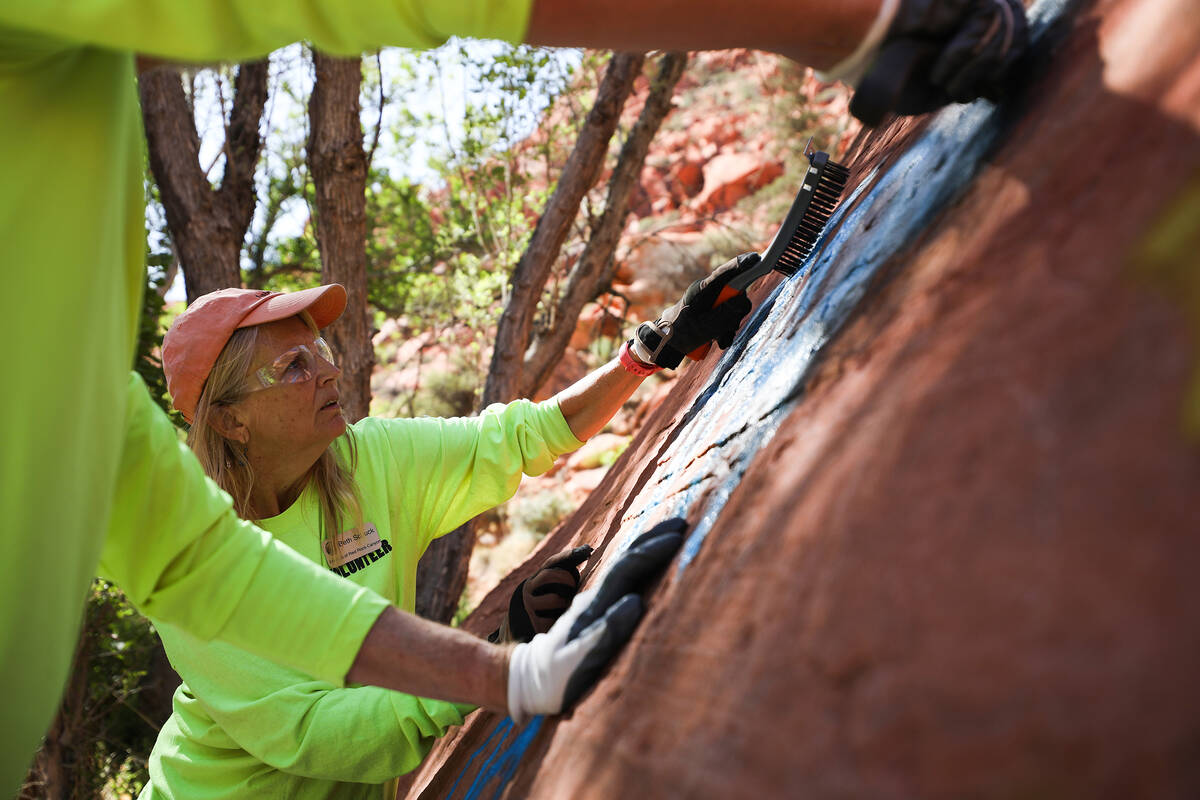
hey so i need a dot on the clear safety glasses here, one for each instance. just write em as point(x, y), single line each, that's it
point(298, 365)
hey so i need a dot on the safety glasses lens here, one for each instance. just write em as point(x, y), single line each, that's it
point(294, 366)
point(298, 365)
point(325, 351)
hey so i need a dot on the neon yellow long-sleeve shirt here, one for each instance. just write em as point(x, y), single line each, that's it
point(71, 247)
point(244, 727)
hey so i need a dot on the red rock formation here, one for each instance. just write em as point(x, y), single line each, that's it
point(602, 318)
point(729, 177)
point(965, 563)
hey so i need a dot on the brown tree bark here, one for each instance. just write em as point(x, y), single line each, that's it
point(514, 370)
point(593, 272)
point(54, 774)
point(207, 225)
point(442, 571)
point(578, 176)
point(339, 170)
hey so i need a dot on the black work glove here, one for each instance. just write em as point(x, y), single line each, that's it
point(542, 598)
point(992, 36)
point(942, 51)
point(549, 674)
point(634, 569)
point(697, 319)
point(631, 575)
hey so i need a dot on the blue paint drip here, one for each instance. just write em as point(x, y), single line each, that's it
point(512, 759)
point(502, 761)
point(505, 726)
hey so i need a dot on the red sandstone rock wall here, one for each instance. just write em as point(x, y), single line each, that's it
point(967, 561)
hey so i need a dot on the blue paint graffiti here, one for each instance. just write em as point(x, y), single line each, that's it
point(501, 761)
point(765, 369)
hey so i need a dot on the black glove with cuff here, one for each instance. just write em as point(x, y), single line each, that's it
point(697, 319)
point(549, 674)
point(542, 598)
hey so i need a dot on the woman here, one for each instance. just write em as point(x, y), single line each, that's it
point(258, 384)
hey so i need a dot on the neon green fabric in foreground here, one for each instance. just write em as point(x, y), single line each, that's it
point(72, 243)
point(244, 727)
point(228, 578)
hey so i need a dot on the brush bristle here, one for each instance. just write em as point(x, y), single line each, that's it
point(803, 224)
point(830, 182)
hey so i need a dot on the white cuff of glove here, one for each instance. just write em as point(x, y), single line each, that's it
point(538, 670)
point(852, 68)
point(639, 350)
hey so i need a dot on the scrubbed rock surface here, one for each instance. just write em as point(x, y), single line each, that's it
point(945, 523)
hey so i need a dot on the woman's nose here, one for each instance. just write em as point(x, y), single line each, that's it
point(328, 372)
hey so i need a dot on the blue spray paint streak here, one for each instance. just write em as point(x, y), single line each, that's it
point(807, 313)
point(512, 759)
point(505, 726)
point(767, 364)
point(766, 367)
point(501, 760)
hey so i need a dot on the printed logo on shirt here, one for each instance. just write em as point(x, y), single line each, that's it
point(354, 550)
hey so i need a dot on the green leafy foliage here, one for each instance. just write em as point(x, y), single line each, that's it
point(152, 324)
point(100, 741)
point(471, 209)
point(451, 198)
point(122, 644)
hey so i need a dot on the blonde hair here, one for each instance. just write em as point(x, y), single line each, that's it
point(224, 460)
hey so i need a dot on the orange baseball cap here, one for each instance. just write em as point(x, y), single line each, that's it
point(199, 334)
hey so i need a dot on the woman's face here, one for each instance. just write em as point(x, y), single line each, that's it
point(301, 418)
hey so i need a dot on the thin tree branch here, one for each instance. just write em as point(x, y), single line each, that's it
point(594, 268)
point(532, 271)
point(379, 119)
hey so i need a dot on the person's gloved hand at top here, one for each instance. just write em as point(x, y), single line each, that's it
point(923, 54)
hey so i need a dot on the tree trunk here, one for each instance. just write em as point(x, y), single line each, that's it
point(578, 176)
point(60, 766)
point(339, 170)
point(207, 225)
point(593, 272)
point(442, 571)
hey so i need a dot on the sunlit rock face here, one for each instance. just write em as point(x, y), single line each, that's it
point(945, 524)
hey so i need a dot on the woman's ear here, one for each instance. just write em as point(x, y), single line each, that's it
point(227, 422)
